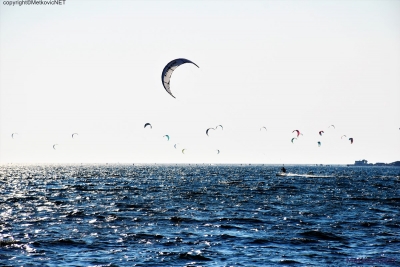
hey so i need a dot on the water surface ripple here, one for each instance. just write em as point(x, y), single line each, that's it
point(199, 215)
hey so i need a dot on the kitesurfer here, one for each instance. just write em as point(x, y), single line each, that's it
point(283, 169)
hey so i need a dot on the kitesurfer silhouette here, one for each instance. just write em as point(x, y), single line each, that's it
point(283, 169)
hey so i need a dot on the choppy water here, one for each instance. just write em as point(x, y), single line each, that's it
point(169, 215)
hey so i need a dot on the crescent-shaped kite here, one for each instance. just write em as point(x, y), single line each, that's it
point(169, 69)
point(208, 130)
point(148, 124)
point(74, 134)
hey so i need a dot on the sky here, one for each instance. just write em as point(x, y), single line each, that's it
point(94, 68)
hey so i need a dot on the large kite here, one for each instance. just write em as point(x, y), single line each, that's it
point(169, 69)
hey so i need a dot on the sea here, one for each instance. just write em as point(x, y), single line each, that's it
point(199, 215)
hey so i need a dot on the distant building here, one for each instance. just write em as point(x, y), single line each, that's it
point(365, 163)
point(361, 162)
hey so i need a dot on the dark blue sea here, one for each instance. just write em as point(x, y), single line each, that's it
point(199, 215)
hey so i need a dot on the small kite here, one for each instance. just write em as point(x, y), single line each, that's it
point(208, 130)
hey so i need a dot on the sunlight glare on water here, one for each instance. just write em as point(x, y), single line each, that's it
point(198, 215)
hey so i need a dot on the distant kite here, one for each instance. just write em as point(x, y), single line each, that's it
point(332, 126)
point(74, 134)
point(148, 124)
point(166, 136)
point(169, 69)
point(13, 134)
point(351, 140)
point(263, 128)
point(208, 130)
point(218, 151)
point(54, 146)
point(216, 128)
point(298, 132)
point(183, 151)
point(319, 143)
point(343, 136)
point(294, 138)
point(321, 132)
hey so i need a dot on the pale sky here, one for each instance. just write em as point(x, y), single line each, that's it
point(94, 68)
